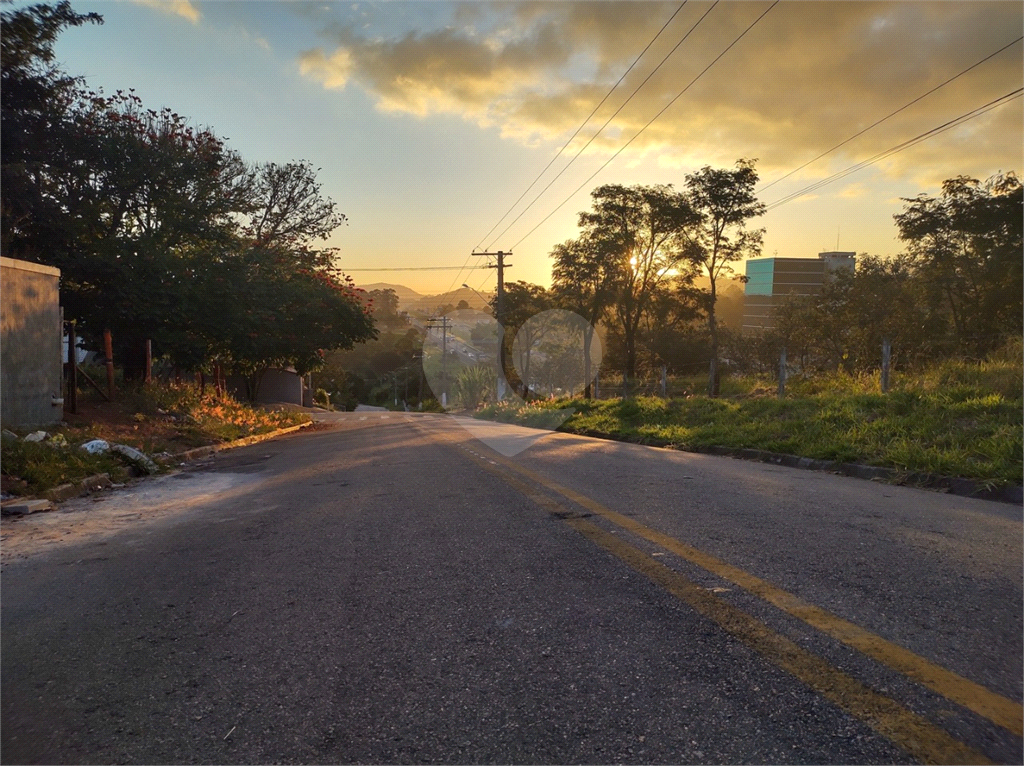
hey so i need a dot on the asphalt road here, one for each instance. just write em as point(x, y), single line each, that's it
point(398, 590)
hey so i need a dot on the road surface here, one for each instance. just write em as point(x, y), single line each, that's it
point(399, 589)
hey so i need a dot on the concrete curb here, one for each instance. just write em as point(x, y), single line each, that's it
point(211, 449)
point(949, 484)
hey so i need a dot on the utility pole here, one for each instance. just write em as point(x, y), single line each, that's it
point(444, 356)
point(499, 314)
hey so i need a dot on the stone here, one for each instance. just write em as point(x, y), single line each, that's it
point(24, 507)
point(138, 459)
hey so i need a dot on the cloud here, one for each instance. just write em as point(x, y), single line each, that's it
point(183, 8)
point(807, 77)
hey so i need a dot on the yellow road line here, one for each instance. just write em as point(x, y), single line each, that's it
point(917, 736)
point(1002, 711)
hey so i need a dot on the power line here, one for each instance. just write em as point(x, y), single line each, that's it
point(583, 124)
point(956, 121)
point(645, 127)
point(416, 268)
point(455, 281)
point(606, 123)
point(893, 114)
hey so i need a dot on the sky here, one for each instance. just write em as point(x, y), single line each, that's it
point(429, 120)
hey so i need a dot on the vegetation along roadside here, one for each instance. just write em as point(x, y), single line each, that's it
point(958, 419)
point(158, 419)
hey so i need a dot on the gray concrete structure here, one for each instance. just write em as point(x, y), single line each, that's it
point(276, 386)
point(30, 344)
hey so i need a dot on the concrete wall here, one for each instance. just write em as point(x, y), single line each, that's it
point(276, 386)
point(30, 344)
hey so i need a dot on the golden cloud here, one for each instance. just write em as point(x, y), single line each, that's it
point(807, 77)
point(183, 8)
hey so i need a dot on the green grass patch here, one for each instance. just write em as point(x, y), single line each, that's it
point(955, 421)
point(34, 467)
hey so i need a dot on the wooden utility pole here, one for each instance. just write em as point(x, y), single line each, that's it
point(499, 314)
point(108, 350)
point(444, 358)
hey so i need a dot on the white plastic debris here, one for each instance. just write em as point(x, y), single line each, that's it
point(136, 458)
point(36, 436)
point(95, 446)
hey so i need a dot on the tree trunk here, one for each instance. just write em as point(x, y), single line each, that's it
point(588, 336)
point(714, 379)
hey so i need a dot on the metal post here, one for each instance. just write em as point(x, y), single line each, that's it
point(664, 382)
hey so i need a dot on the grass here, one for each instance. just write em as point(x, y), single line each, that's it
point(156, 419)
point(957, 419)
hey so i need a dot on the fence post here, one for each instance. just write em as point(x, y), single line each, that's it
point(108, 350)
point(72, 368)
point(664, 382)
point(782, 373)
point(886, 359)
point(149, 362)
point(597, 385)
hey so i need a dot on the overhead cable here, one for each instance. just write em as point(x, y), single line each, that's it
point(583, 124)
point(892, 114)
point(651, 122)
point(965, 117)
point(606, 123)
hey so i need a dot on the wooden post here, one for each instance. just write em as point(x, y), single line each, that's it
point(108, 350)
point(149, 362)
point(782, 373)
point(886, 359)
point(72, 369)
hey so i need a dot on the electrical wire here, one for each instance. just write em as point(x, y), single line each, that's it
point(892, 114)
point(583, 124)
point(605, 125)
point(956, 121)
point(455, 281)
point(645, 127)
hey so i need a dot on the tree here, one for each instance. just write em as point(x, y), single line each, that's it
point(35, 98)
point(966, 245)
point(723, 201)
point(638, 233)
point(525, 325)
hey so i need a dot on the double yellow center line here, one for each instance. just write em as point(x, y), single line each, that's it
point(920, 738)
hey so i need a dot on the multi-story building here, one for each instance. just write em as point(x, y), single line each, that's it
point(772, 280)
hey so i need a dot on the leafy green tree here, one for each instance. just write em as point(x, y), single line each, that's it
point(524, 327)
point(35, 102)
point(966, 245)
point(585, 281)
point(639, 235)
point(723, 201)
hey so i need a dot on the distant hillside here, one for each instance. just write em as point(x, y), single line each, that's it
point(430, 303)
point(405, 294)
